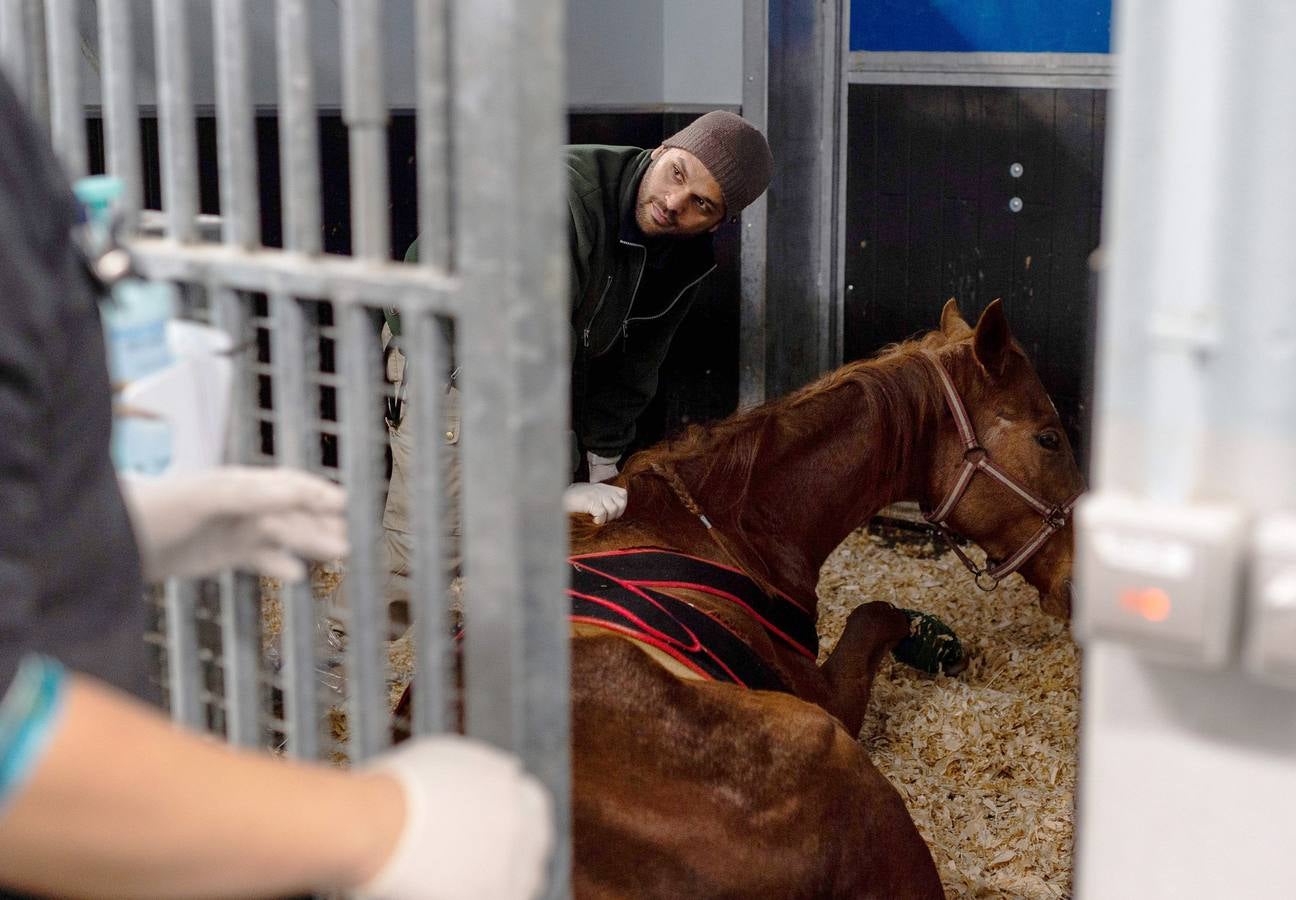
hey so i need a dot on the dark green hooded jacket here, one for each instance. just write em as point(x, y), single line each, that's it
point(628, 295)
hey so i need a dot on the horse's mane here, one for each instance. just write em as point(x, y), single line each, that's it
point(723, 455)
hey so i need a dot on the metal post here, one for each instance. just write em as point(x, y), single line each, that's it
point(66, 113)
point(120, 112)
point(298, 131)
point(436, 229)
point(512, 258)
point(755, 108)
point(236, 128)
point(176, 120)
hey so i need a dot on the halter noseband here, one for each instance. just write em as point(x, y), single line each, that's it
point(977, 459)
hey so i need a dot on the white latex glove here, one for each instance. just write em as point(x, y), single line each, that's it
point(476, 825)
point(253, 519)
point(604, 502)
point(601, 468)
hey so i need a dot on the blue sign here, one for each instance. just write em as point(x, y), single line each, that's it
point(982, 26)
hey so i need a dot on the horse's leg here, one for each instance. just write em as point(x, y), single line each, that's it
point(870, 633)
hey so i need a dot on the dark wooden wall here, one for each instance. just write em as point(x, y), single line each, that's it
point(929, 185)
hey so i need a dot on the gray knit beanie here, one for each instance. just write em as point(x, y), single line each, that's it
point(733, 151)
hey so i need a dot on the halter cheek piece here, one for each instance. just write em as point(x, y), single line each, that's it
point(977, 459)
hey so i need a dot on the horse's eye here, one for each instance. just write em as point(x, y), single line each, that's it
point(1048, 440)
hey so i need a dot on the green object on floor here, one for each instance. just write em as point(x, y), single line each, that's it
point(931, 645)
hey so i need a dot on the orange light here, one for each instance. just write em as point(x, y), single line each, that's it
point(1151, 603)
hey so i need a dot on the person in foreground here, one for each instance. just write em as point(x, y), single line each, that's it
point(99, 793)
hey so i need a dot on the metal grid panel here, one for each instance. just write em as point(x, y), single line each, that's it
point(488, 293)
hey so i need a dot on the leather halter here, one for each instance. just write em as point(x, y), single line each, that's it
point(977, 459)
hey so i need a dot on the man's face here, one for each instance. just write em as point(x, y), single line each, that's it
point(677, 196)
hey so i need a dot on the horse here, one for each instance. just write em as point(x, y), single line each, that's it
point(701, 774)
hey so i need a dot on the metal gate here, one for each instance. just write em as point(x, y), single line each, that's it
point(310, 386)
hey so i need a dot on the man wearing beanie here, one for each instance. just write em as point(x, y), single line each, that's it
point(640, 240)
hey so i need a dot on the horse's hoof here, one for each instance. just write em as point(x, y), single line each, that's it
point(931, 645)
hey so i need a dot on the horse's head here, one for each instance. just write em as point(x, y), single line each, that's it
point(1023, 475)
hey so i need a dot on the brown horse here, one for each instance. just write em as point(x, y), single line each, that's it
point(688, 787)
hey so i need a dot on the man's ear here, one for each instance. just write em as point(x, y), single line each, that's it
point(658, 152)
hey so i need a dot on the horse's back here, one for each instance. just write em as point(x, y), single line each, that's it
point(686, 788)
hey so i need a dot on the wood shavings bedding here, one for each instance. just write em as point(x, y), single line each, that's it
point(985, 761)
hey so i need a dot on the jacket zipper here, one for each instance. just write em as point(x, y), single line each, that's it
point(625, 326)
point(625, 322)
point(597, 307)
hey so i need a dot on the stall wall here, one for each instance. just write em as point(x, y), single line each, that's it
point(974, 186)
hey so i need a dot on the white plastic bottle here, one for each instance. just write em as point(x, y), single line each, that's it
point(134, 317)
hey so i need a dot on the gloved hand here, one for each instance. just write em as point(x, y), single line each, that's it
point(604, 502)
point(253, 519)
point(601, 468)
point(476, 825)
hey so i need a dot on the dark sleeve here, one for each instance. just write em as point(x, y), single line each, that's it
point(33, 237)
point(623, 382)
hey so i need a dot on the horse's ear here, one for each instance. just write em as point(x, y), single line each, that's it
point(952, 323)
point(993, 341)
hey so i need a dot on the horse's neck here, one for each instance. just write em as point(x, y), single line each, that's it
point(827, 475)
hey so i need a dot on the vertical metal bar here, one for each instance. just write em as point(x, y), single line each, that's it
point(67, 115)
point(367, 712)
point(176, 119)
point(434, 129)
point(515, 387)
point(429, 594)
point(38, 83)
point(298, 130)
point(542, 394)
point(235, 128)
point(364, 110)
point(755, 109)
point(492, 583)
point(120, 112)
point(183, 668)
point(288, 368)
point(832, 215)
point(240, 593)
point(13, 45)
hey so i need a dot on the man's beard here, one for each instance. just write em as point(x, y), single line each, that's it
point(643, 204)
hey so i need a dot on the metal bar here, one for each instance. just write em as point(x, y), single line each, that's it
point(388, 284)
point(241, 640)
point(435, 178)
point(514, 387)
point(176, 132)
point(367, 710)
point(67, 116)
point(38, 83)
point(429, 591)
point(755, 108)
point(236, 151)
point(240, 593)
point(13, 45)
point(120, 112)
point(493, 587)
point(364, 110)
point(184, 672)
point(1043, 70)
point(832, 213)
point(288, 359)
point(298, 129)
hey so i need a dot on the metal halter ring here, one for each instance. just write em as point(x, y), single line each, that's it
point(1056, 518)
point(988, 578)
